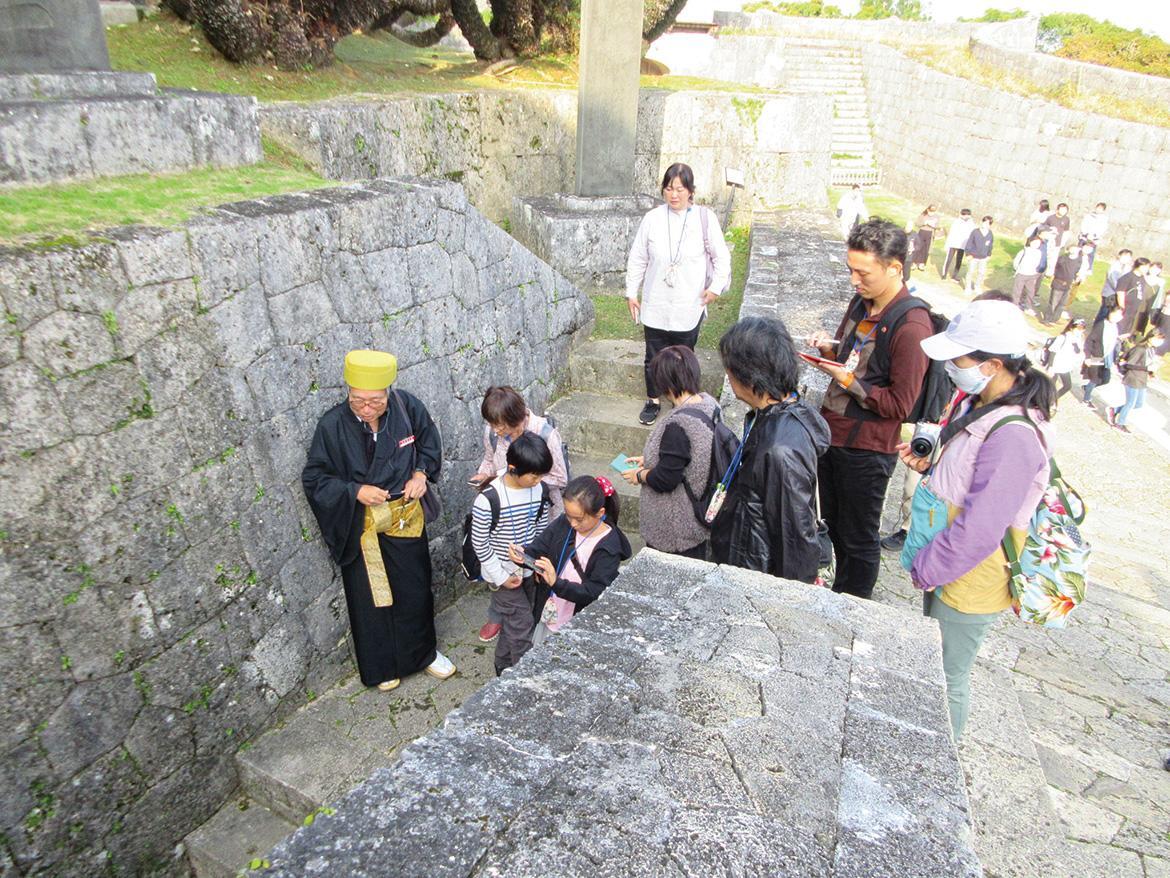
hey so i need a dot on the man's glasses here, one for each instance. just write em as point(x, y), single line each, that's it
point(367, 403)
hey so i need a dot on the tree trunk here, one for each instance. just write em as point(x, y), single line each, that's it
point(485, 44)
point(237, 30)
point(653, 30)
point(425, 39)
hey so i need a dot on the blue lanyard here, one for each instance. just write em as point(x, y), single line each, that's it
point(859, 341)
point(561, 559)
point(733, 467)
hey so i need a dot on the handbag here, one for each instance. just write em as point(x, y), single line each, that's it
point(431, 502)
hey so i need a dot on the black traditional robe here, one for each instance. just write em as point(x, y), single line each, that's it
point(389, 642)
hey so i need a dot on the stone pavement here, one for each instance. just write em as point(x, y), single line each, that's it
point(1094, 699)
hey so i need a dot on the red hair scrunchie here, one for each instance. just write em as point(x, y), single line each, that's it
point(606, 485)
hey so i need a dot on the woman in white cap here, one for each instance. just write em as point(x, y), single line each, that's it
point(374, 457)
point(985, 484)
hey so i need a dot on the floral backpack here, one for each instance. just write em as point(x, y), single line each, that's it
point(1048, 573)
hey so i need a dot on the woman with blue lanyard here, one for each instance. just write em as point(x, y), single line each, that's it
point(587, 547)
point(681, 264)
point(767, 520)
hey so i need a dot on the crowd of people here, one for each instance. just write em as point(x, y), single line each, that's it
point(1121, 340)
point(797, 482)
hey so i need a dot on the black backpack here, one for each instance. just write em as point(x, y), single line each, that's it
point(550, 424)
point(724, 444)
point(471, 566)
point(937, 388)
point(1046, 352)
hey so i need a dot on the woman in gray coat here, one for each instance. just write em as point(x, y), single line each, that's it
point(676, 460)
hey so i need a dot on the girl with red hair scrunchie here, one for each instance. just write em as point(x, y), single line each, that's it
point(577, 556)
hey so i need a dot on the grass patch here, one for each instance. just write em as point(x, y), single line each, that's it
point(613, 315)
point(34, 212)
point(960, 62)
point(180, 57)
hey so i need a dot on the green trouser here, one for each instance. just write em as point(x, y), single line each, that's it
point(962, 635)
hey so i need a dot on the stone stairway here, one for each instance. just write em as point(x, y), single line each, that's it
point(332, 744)
point(599, 417)
point(835, 68)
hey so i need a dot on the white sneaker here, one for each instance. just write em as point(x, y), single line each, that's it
point(441, 667)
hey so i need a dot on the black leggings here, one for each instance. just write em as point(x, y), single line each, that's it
point(1065, 379)
point(657, 339)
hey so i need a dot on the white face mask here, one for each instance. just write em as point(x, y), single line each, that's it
point(969, 380)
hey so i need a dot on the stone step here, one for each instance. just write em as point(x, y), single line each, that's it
point(335, 741)
point(826, 83)
point(599, 426)
point(238, 833)
point(628, 495)
point(861, 141)
point(615, 367)
point(852, 163)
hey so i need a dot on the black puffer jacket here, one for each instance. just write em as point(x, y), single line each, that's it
point(769, 520)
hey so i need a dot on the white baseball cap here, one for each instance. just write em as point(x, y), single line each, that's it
point(991, 326)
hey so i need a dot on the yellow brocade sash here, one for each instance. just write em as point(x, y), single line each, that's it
point(396, 518)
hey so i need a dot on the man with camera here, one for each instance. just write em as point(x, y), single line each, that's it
point(877, 377)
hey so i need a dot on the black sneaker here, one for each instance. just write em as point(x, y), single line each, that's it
point(649, 413)
point(895, 541)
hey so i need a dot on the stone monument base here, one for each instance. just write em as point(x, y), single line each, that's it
point(585, 238)
point(60, 127)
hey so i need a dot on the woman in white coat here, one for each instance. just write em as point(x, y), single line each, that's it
point(680, 264)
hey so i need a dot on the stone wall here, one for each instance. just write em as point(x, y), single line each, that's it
point(67, 127)
point(1053, 72)
point(166, 594)
point(962, 144)
point(695, 720)
point(1019, 33)
point(500, 145)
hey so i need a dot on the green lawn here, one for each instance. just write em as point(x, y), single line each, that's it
point(39, 212)
point(180, 57)
point(613, 315)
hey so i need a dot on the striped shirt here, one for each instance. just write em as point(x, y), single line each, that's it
point(521, 519)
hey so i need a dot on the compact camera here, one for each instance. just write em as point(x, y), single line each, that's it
point(925, 439)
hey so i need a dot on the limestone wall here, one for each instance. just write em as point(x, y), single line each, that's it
point(695, 720)
point(504, 144)
point(1018, 33)
point(1053, 72)
point(941, 138)
point(58, 128)
point(166, 594)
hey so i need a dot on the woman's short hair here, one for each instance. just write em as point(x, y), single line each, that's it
point(503, 405)
point(529, 454)
point(682, 173)
point(758, 352)
point(675, 370)
point(882, 239)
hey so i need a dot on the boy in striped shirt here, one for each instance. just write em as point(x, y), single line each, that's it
point(523, 503)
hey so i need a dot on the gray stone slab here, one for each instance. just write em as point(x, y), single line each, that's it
point(625, 746)
point(240, 832)
point(52, 35)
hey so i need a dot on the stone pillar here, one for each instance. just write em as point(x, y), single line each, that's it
point(607, 95)
point(48, 36)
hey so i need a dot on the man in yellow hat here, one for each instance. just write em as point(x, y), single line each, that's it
point(371, 462)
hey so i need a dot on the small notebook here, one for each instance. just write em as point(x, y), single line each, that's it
point(623, 464)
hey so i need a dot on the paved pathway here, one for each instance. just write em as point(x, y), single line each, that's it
point(1096, 697)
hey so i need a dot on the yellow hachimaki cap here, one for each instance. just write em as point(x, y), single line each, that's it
point(370, 370)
